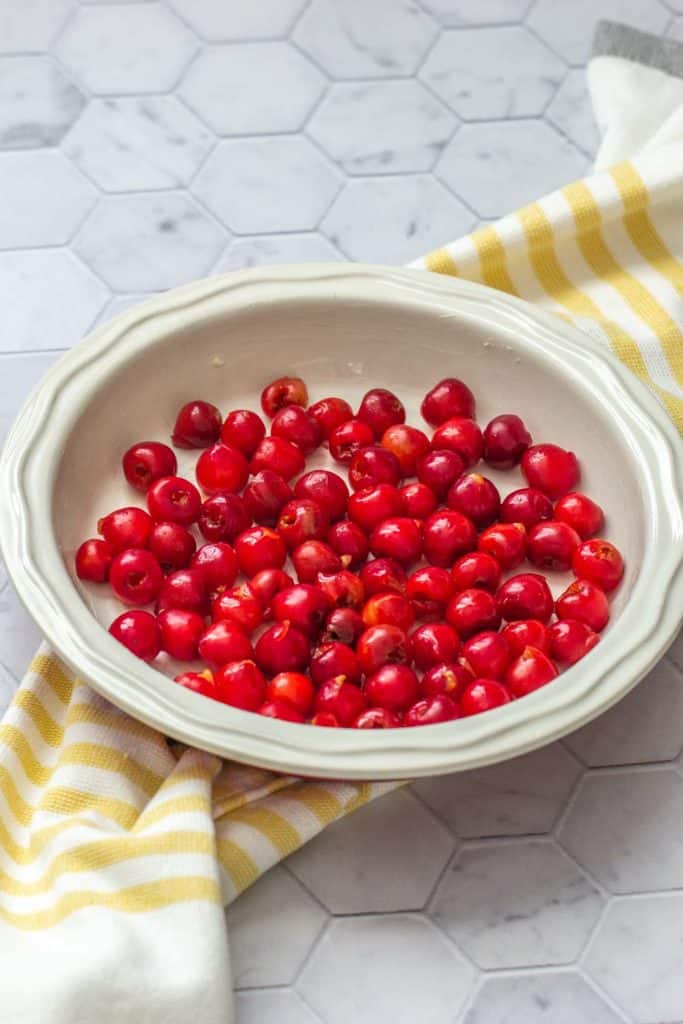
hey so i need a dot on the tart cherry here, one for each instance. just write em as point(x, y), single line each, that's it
point(529, 671)
point(302, 519)
point(476, 569)
point(313, 557)
point(197, 425)
point(489, 654)
point(525, 596)
point(381, 645)
point(472, 611)
point(239, 605)
point(302, 605)
point(283, 392)
point(343, 589)
point(431, 711)
point(223, 517)
point(325, 719)
point(328, 413)
point(418, 500)
point(407, 443)
point(93, 559)
point(429, 590)
point(581, 513)
point(139, 632)
point(600, 562)
point(258, 548)
point(174, 500)
point(462, 436)
point(135, 576)
point(243, 430)
point(526, 506)
point(126, 528)
point(447, 399)
point(446, 535)
point(526, 633)
point(240, 684)
point(506, 542)
point(198, 682)
point(483, 695)
point(388, 608)
point(279, 456)
point(185, 588)
point(371, 506)
point(377, 718)
point(334, 660)
point(265, 496)
point(374, 465)
point(505, 441)
point(266, 583)
point(397, 537)
point(172, 545)
point(146, 462)
point(344, 625)
point(586, 602)
point(449, 678)
point(570, 640)
point(348, 439)
point(325, 488)
point(551, 469)
point(281, 710)
point(433, 644)
point(439, 469)
point(340, 698)
point(380, 409)
point(180, 632)
point(392, 686)
point(382, 575)
point(295, 425)
point(292, 688)
point(218, 564)
point(282, 648)
point(552, 545)
point(476, 497)
point(349, 542)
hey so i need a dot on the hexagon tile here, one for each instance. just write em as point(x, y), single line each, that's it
point(144, 143)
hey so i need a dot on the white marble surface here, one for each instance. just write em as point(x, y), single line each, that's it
point(145, 143)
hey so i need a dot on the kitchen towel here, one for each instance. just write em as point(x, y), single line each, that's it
point(118, 849)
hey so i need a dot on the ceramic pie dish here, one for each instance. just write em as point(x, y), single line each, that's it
point(344, 329)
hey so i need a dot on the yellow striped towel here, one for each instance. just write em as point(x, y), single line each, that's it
point(117, 850)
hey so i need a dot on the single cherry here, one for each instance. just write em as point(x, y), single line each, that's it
point(462, 436)
point(433, 644)
point(243, 430)
point(328, 413)
point(586, 602)
point(197, 425)
point(139, 632)
point(418, 500)
point(447, 399)
point(172, 544)
point(439, 469)
point(381, 645)
point(377, 718)
point(282, 710)
point(570, 640)
point(282, 648)
point(295, 425)
point(302, 519)
point(525, 596)
point(185, 588)
point(483, 695)
point(472, 611)
point(407, 444)
point(283, 392)
point(552, 545)
point(341, 699)
point(380, 409)
point(294, 689)
point(551, 469)
point(241, 684)
point(325, 488)
point(372, 505)
point(374, 465)
point(506, 542)
point(449, 678)
point(446, 535)
point(392, 686)
point(146, 462)
point(476, 497)
point(135, 576)
point(349, 542)
point(218, 564)
point(303, 605)
point(93, 560)
point(390, 608)
point(260, 548)
point(431, 711)
point(489, 654)
point(348, 439)
point(265, 496)
point(429, 589)
point(312, 558)
point(279, 456)
point(581, 513)
point(529, 671)
point(527, 506)
point(476, 569)
point(223, 517)
point(180, 631)
point(266, 583)
point(526, 633)
point(344, 625)
point(174, 500)
point(126, 528)
point(600, 562)
point(383, 574)
point(239, 605)
point(505, 441)
point(334, 660)
point(399, 538)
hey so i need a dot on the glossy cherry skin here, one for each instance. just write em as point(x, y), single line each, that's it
point(334, 660)
point(241, 606)
point(586, 602)
point(146, 462)
point(223, 517)
point(303, 605)
point(223, 642)
point(197, 425)
point(418, 500)
point(283, 392)
point(388, 608)
point(476, 569)
point(506, 542)
point(279, 456)
point(135, 576)
point(302, 519)
point(447, 399)
point(328, 413)
point(380, 409)
point(527, 506)
point(260, 548)
point(139, 632)
point(93, 559)
point(244, 430)
point(382, 645)
point(265, 496)
point(294, 689)
point(344, 625)
point(489, 654)
point(581, 513)
point(397, 537)
point(126, 528)
point(570, 640)
point(407, 444)
point(175, 500)
point(429, 590)
point(374, 465)
point(340, 698)
point(394, 687)
point(446, 535)
point(282, 710)
point(383, 574)
point(343, 589)
point(312, 558)
point(371, 506)
point(266, 583)
point(476, 497)
point(472, 611)
point(240, 684)
point(439, 469)
point(180, 632)
point(483, 695)
point(431, 711)
point(551, 469)
point(218, 564)
point(505, 441)
point(526, 633)
point(325, 719)
point(433, 644)
point(525, 596)
point(600, 562)
point(529, 671)
point(552, 545)
point(349, 542)
point(172, 545)
point(348, 439)
point(295, 425)
point(449, 678)
point(198, 682)
point(327, 489)
point(462, 436)
point(185, 588)
point(282, 648)
point(377, 718)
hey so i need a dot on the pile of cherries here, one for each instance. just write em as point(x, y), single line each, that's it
point(401, 614)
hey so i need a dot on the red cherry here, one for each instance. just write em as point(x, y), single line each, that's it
point(139, 632)
point(381, 645)
point(279, 456)
point(529, 671)
point(93, 559)
point(505, 441)
point(374, 465)
point(302, 519)
point(525, 596)
point(570, 640)
point(326, 719)
point(241, 606)
point(303, 606)
point(476, 497)
point(586, 602)
point(431, 711)
point(579, 512)
point(551, 545)
point(382, 575)
point(241, 684)
point(483, 695)
point(407, 444)
point(126, 528)
point(343, 589)
point(295, 425)
point(325, 488)
point(197, 425)
point(328, 413)
point(439, 469)
point(185, 588)
point(449, 678)
point(341, 699)
point(377, 718)
point(313, 557)
point(267, 583)
point(283, 392)
point(447, 399)
point(392, 686)
point(135, 576)
point(433, 644)
point(293, 689)
point(389, 608)
point(429, 590)
point(526, 633)
point(551, 469)
point(198, 682)
point(180, 632)
point(506, 542)
point(371, 506)
point(476, 569)
point(146, 462)
point(175, 500)
point(447, 534)
point(418, 500)
point(462, 436)
point(223, 642)
point(526, 506)
point(349, 542)
point(344, 625)
point(598, 561)
point(260, 548)
point(172, 545)
point(397, 537)
point(489, 654)
point(243, 430)
point(472, 611)
point(334, 660)
point(281, 710)
point(265, 496)
point(380, 409)
point(282, 648)
point(348, 439)
point(223, 517)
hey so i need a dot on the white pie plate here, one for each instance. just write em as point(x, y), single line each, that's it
point(345, 329)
